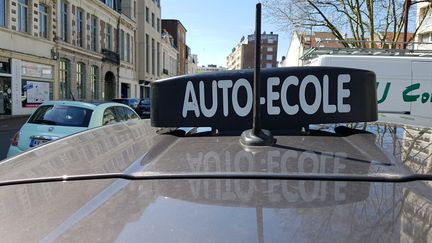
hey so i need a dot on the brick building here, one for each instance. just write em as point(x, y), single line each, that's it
point(243, 54)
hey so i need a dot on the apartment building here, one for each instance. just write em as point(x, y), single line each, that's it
point(424, 34)
point(148, 43)
point(243, 54)
point(65, 49)
point(210, 68)
point(169, 55)
point(178, 32)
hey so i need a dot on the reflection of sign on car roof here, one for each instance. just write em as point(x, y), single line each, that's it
point(291, 97)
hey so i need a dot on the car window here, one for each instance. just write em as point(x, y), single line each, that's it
point(109, 116)
point(62, 115)
point(120, 113)
point(130, 114)
point(125, 113)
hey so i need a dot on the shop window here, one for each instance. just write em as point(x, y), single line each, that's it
point(23, 15)
point(64, 78)
point(34, 93)
point(80, 80)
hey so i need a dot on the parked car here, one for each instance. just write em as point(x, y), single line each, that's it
point(144, 108)
point(131, 102)
point(56, 119)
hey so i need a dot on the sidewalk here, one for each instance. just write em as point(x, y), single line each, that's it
point(4, 117)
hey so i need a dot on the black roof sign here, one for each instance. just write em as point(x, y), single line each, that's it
point(290, 98)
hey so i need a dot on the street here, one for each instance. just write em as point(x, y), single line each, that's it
point(8, 127)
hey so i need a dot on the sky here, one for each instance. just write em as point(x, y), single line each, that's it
point(214, 27)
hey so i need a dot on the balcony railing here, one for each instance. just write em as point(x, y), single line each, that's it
point(111, 56)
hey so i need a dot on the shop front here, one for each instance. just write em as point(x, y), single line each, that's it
point(32, 84)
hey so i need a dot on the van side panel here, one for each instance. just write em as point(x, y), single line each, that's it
point(419, 93)
point(393, 76)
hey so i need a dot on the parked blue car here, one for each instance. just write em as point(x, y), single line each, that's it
point(57, 119)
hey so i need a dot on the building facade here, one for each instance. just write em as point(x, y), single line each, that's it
point(27, 55)
point(149, 43)
point(210, 68)
point(58, 49)
point(178, 32)
point(169, 55)
point(242, 55)
point(424, 34)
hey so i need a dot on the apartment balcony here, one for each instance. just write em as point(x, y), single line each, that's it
point(110, 56)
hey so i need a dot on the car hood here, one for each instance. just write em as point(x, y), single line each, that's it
point(209, 210)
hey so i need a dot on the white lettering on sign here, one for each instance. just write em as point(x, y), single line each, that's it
point(230, 96)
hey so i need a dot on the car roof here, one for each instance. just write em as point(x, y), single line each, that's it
point(90, 104)
point(196, 208)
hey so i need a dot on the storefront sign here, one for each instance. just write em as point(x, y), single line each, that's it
point(37, 70)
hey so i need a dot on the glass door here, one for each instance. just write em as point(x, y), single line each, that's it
point(5, 96)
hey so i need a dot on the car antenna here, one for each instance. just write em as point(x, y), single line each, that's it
point(257, 136)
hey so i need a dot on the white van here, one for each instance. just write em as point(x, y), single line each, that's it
point(404, 84)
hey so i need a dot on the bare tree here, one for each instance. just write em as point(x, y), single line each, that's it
point(351, 21)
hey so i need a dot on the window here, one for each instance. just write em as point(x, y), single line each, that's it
point(147, 15)
point(80, 34)
point(269, 65)
point(132, 50)
point(64, 78)
point(270, 49)
point(158, 59)
point(3, 13)
point(93, 34)
point(153, 20)
point(269, 57)
point(134, 9)
point(128, 48)
point(147, 54)
point(43, 21)
point(109, 3)
point(64, 20)
point(80, 80)
point(158, 25)
point(22, 15)
point(427, 37)
point(94, 77)
point(153, 56)
point(108, 37)
point(122, 45)
point(270, 41)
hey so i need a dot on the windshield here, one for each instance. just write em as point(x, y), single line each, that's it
point(61, 115)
